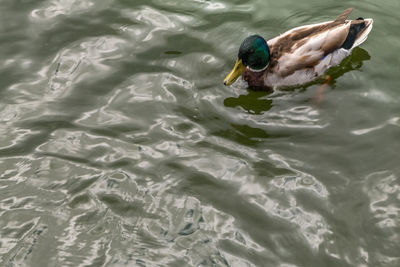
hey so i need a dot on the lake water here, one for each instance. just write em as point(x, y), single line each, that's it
point(120, 145)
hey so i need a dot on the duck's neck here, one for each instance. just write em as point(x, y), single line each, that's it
point(254, 78)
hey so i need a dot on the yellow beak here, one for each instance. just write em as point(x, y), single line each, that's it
point(235, 73)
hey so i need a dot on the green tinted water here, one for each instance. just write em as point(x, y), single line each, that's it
point(120, 146)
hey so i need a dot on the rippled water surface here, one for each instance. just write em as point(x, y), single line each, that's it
point(120, 146)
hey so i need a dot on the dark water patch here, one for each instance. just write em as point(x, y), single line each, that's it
point(172, 52)
point(253, 102)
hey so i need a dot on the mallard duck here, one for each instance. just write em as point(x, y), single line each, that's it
point(299, 55)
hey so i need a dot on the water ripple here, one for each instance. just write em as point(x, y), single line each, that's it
point(120, 146)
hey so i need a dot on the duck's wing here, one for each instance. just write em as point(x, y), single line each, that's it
point(312, 28)
point(304, 47)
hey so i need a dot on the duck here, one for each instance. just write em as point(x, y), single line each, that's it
point(300, 55)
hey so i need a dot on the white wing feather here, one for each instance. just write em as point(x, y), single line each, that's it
point(314, 48)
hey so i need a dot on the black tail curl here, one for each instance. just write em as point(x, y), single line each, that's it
point(352, 35)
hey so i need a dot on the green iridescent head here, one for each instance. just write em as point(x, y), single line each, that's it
point(253, 53)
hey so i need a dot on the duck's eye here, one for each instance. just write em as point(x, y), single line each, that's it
point(251, 51)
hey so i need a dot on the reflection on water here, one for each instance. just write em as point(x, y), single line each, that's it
point(353, 62)
point(253, 102)
point(257, 102)
point(120, 146)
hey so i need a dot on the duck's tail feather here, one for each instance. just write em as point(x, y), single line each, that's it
point(363, 34)
point(358, 33)
point(343, 16)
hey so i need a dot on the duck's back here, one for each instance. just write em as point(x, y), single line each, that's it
point(306, 52)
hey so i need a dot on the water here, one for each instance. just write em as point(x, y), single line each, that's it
point(120, 146)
